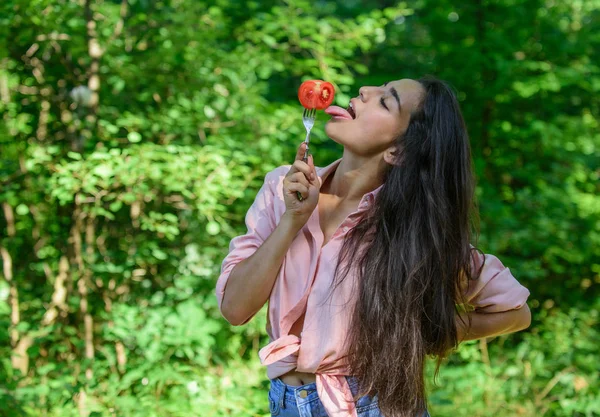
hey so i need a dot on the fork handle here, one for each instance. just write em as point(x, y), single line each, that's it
point(305, 159)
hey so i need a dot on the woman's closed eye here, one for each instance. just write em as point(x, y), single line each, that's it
point(382, 101)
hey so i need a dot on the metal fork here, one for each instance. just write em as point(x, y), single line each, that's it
point(308, 118)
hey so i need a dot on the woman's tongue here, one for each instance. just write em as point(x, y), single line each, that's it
point(338, 112)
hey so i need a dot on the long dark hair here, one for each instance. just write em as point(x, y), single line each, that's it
point(412, 254)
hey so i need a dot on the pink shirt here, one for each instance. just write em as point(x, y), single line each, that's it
point(304, 280)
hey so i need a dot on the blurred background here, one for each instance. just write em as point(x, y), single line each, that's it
point(135, 134)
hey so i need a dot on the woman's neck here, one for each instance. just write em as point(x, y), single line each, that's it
point(354, 177)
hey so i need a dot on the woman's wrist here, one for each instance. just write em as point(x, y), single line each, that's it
point(292, 221)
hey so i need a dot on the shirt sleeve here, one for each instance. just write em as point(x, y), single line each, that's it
point(496, 289)
point(260, 222)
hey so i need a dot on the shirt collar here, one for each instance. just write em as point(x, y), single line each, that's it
point(323, 172)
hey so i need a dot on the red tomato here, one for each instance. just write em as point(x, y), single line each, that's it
point(316, 94)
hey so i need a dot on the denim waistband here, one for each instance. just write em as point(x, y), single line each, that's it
point(290, 392)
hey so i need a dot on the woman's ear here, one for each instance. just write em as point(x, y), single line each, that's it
point(392, 155)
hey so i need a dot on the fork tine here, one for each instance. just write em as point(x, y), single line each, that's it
point(309, 115)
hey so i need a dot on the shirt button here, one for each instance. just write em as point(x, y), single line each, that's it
point(345, 229)
point(303, 393)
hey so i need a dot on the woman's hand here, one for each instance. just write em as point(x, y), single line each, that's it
point(301, 177)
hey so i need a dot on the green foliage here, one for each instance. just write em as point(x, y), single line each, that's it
point(135, 135)
point(552, 370)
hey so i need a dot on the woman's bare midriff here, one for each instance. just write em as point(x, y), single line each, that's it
point(296, 378)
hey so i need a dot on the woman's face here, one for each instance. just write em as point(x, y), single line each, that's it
point(377, 117)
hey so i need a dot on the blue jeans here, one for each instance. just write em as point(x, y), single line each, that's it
point(290, 401)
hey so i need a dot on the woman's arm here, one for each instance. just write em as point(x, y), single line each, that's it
point(493, 324)
point(250, 269)
point(251, 281)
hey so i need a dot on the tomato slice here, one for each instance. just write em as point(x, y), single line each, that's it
point(316, 94)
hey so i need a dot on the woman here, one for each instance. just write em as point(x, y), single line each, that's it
point(363, 288)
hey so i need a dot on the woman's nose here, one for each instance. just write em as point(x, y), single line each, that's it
point(362, 91)
point(365, 92)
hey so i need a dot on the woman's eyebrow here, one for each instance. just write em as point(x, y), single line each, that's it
point(395, 94)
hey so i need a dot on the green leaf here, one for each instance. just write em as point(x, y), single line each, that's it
point(134, 137)
point(213, 228)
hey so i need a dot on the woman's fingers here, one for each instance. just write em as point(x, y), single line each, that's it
point(299, 177)
point(313, 170)
point(300, 152)
point(300, 184)
point(300, 166)
point(296, 186)
point(303, 167)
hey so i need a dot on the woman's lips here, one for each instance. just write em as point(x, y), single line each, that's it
point(339, 112)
